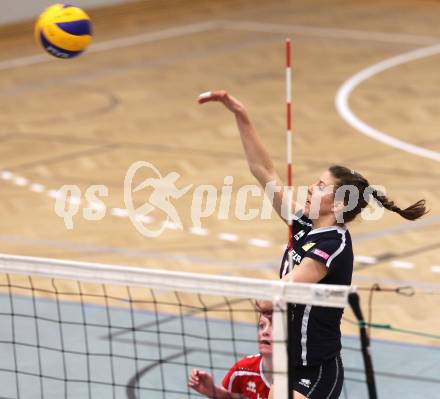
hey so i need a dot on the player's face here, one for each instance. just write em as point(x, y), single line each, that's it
point(265, 335)
point(320, 197)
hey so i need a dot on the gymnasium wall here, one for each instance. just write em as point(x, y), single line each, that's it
point(21, 10)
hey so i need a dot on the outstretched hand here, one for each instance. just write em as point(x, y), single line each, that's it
point(202, 382)
point(230, 102)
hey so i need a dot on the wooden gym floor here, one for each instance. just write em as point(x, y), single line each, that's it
point(132, 97)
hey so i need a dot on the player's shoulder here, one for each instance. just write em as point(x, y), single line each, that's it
point(324, 244)
point(331, 234)
point(249, 363)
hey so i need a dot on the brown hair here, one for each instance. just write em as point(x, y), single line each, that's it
point(345, 176)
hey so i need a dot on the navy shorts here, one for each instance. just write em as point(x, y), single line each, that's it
point(320, 382)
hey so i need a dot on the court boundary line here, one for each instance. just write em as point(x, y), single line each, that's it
point(264, 27)
point(345, 90)
point(329, 33)
point(159, 255)
point(112, 44)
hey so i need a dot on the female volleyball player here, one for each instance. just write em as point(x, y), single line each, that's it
point(249, 378)
point(322, 253)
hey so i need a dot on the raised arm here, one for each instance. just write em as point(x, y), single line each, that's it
point(258, 158)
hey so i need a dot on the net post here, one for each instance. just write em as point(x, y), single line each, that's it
point(279, 350)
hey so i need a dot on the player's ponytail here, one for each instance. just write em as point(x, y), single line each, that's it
point(413, 212)
point(348, 177)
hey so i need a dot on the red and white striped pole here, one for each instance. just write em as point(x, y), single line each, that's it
point(289, 149)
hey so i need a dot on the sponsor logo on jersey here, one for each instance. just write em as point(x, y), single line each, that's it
point(298, 235)
point(305, 382)
point(322, 254)
point(251, 386)
point(307, 246)
point(295, 257)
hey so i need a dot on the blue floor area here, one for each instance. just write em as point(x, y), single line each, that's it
point(401, 370)
point(123, 361)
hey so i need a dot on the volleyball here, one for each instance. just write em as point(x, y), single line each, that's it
point(63, 30)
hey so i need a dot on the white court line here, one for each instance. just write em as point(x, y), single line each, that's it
point(6, 175)
point(256, 242)
point(237, 25)
point(154, 36)
point(117, 43)
point(144, 218)
point(228, 237)
point(54, 193)
point(199, 231)
point(168, 224)
point(38, 188)
point(345, 90)
point(401, 228)
point(24, 61)
point(367, 260)
point(119, 212)
point(402, 265)
point(21, 181)
point(333, 33)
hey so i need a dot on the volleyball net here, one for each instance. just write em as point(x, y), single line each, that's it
point(83, 330)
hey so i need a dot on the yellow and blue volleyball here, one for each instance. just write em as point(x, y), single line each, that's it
point(63, 30)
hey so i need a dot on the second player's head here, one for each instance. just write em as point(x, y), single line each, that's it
point(265, 334)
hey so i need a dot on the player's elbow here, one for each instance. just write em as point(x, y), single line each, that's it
point(262, 173)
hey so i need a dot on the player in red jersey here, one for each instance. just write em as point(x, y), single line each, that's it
point(249, 378)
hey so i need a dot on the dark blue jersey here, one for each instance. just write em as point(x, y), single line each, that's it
point(316, 329)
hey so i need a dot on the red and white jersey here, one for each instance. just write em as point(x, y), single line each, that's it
point(246, 377)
